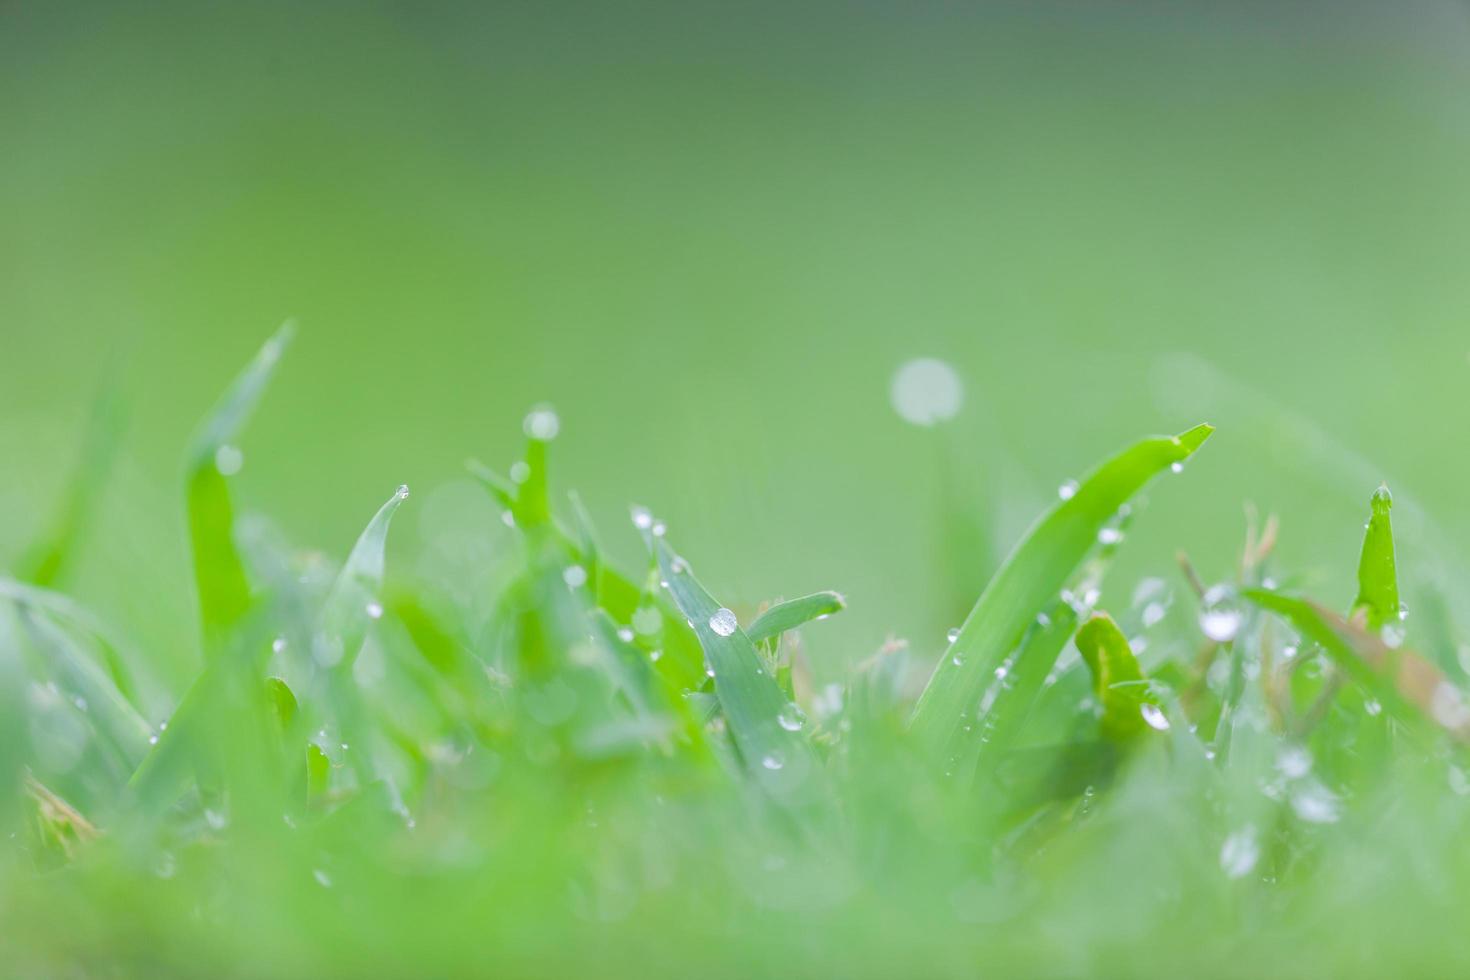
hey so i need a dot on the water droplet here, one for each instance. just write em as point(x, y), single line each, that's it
point(228, 460)
point(957, 660)
point(647, 620)
point(1315, 803)
point(374, 610)
point(1153, 613)
point(1154, 717)
point(575, 576)
point(655, 655)
point(642, 519)
point(402, 493)
point(322, 878)
point(163, 726)
point(80, 702)
point(953, 635)
point(1294, 761)
point(1393, 635)
point(625, 634)
point(1067, 490)
point(723, 622)
point(772, 761)
point(926, 391)
point(152, 739)
point(1374, 708)
point(1240, 852)
point(508, 519)
point(1448, 707)
point(542, 424)
point(520, 471)
point(278, 645)
point(1001, 671)
point(1109, 536)
point(215, 819)
point(659, 529)
point(1176, 467)
point(1220, 623)
point(791, 718)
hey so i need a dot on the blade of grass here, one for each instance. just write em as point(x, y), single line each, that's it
point(766, 729)
point(1029, 580)
point(1118, 682)
point(1378, 584)
point(219, 573)
point(789, 615)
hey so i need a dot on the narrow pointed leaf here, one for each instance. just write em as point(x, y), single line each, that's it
point(219, 572)
point(1378, 584)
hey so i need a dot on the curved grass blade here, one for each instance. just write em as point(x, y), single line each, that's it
point(1400, 678)
point(1117, 680)
point(354, 600)
point(793, 613)
point(1378, 584)
point(75, 617)
point(1029, 580)
point(764, 724)
point(219, 572)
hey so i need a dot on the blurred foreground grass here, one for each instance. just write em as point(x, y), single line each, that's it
point(540, 762)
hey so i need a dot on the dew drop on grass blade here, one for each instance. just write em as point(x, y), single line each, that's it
point(1030, 579)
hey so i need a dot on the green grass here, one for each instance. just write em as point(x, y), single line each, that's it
point(607, 771)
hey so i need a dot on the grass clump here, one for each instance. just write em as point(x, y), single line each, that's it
point(606, 770)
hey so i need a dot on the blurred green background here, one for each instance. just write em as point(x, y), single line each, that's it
point(709, 234)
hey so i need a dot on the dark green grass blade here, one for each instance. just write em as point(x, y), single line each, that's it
point(1400, 678)
point(1378, 583)
point(1117, 680)
point(793, 613)
point(219, 572)
point(1029, 580)
point(49, 558)
point(765, 727)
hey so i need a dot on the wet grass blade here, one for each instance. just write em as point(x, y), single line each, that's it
point(765, 725)
point(1029, 581)
point(219, 573)
point(1401, 678)
point(793, 613)
point(1378, 584)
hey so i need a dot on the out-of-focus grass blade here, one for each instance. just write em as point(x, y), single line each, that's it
point(77, 618)
point(1029, 580)
point(15, 739)
point(793, 613)
point(498, 486)
point(50, 557)
point(219, 572)
point(765, 725)
point(355, 597)
point(1397, 677)
point(1117, 680)
point(1018, 692)
point(1378, 583)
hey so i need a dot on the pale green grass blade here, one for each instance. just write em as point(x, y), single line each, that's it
point(219, 573)
point(1029, 581)
point(77, 618)
point(356, 596)
point(789, 615)
point(1378, 583)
